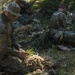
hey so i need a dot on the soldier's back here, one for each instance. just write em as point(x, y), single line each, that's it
point(56, 20)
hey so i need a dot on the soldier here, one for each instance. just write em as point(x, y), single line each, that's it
point(59, 19)
point(8, 44)
point(25, 17)
point(23, 5)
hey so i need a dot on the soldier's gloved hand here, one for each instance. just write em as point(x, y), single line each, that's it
point(22, 53)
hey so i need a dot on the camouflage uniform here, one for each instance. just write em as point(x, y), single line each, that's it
point(7, 45)
point(59, 20)
point(24, 18)
point(60, 36)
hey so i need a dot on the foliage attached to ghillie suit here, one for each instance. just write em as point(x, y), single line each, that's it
point(34, 26)
point(24, 28)
point(53, 36)
point(42, 40)
point(24, 34)
point(35, 62)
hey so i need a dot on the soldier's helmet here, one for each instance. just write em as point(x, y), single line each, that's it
point(13, 8)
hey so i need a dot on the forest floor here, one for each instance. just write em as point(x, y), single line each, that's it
point(66, 61)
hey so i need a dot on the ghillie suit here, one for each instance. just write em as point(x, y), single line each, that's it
point(53, 36)
point(24, 28)
point(26, 20)
point(36, 25)
point(38, 63)
point(24, 32)
point(35, 62)
point(41, 40)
